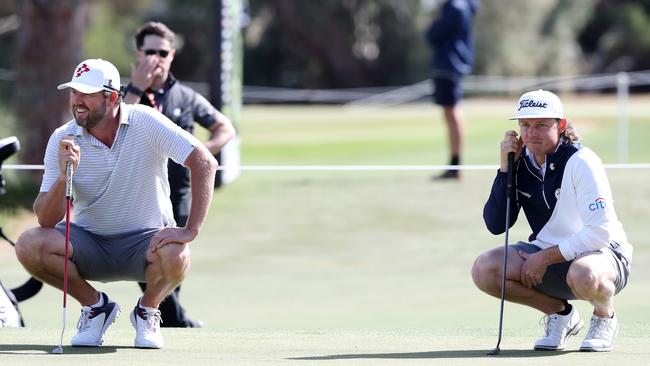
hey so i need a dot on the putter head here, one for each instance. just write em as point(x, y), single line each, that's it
point(494, 351)
point(58, 350)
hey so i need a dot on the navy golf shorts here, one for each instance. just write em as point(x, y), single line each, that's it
point(446, 91)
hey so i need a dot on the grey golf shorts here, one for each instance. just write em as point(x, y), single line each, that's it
point(554, 282)
point(108, 258)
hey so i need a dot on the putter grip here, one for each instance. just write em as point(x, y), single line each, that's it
point(511, 174)
point(68, 180)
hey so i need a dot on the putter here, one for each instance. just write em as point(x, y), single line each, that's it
point(68, 198)
point(511, 163)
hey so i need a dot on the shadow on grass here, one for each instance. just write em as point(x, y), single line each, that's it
point(42, 349)
point(527, 353)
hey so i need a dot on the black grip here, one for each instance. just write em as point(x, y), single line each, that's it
point(511, 175)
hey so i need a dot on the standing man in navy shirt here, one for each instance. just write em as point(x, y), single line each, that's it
point(450, 36)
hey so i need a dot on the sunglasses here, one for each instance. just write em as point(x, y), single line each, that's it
point(162, 53)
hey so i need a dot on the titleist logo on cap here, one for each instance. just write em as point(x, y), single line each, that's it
point(530, 103)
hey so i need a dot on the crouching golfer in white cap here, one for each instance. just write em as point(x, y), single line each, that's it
point(578, 249)
point(123, 226)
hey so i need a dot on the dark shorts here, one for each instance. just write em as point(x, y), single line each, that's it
point(108, 258)
point(446, 91)
point(554, 282)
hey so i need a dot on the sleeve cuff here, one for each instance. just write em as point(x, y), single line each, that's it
point(567, 252)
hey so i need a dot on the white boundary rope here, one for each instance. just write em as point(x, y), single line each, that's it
point(353, 167)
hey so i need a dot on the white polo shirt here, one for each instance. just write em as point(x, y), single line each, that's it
point(124, 187)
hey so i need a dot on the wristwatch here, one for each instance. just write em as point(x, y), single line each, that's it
point(134, 90)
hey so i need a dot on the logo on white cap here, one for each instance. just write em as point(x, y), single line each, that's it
point(81, 69)
point(539, 104)
point(92, 76)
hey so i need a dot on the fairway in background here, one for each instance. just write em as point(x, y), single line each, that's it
point(355, 267)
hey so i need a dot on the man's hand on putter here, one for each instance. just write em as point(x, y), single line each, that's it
point(68, 152)
point(510, 143)
point(533, 269)
point(168, 235)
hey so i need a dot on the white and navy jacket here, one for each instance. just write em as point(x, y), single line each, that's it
point(570, 206)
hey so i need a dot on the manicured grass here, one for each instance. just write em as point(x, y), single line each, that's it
point(340, 268)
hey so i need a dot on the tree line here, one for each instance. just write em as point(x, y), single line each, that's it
point(307, 44)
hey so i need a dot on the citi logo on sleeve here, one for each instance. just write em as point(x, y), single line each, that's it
point(598, 204)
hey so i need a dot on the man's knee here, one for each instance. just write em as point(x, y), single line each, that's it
point(34, 242)
point(174, 260)
point(587, 283)
point(484, 271)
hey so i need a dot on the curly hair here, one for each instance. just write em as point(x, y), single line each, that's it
point(570, 134)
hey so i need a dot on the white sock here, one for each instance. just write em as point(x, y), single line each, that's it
point(99, 303)
point(147, 308)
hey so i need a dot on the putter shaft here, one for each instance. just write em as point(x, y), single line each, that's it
point(510, 181)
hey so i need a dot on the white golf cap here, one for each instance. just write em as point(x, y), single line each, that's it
point(539, 104)
point(92, 76)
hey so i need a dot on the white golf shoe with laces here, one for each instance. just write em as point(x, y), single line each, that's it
point(601, 334)
point(146, 322)
point(93, 323)
point(557, 328)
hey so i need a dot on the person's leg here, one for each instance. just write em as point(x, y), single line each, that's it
point(594, 277)
point(41, 251)
point(591, 278)
point(448, 95)
point(172, 312)
point(487, 275)
point(166, 268)
point(454, 120)
point(562, 320)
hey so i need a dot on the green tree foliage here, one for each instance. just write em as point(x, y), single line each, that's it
point(617, 37)
point(193, 23)
point(109, 31)
point(333, 44)
point(348, 43)
point(530, 37)
point(365, 43)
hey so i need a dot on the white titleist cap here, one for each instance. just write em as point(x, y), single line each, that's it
point(539, 104)
point(92, 76)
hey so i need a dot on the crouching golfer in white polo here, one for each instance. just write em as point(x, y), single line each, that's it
point(578, 249)
point(123, 226)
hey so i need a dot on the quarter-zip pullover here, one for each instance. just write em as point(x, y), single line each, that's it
point(570, 206)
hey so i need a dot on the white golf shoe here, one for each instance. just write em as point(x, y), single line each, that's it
point(557, 328)
point(601, 334)
point(93, 323)
point(146, 322)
